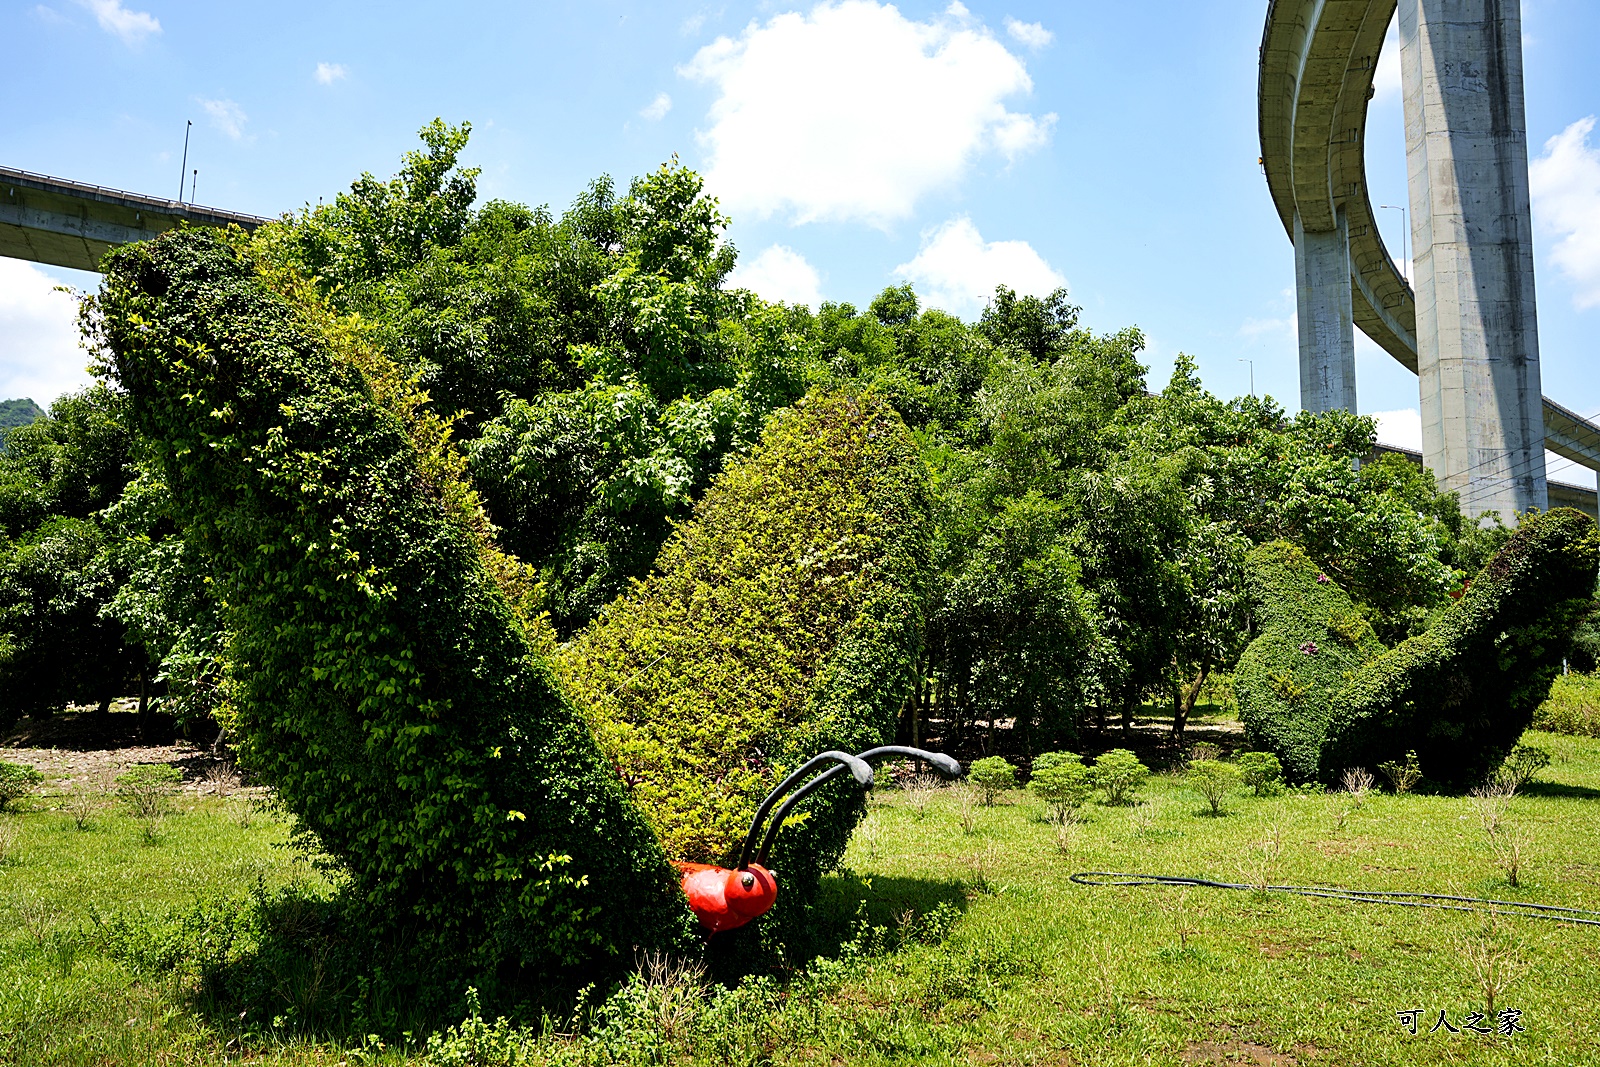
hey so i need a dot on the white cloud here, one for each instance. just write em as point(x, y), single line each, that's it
point(1402, 428)
point(1028, 34)
point(1565, 183)
point(226, 116)
point(131, 26)
point(855, 112)
point(328, 73)
point(779, 273)
point(1386, 79)
point(657, 108)
point(957, 270)
point(39, 354)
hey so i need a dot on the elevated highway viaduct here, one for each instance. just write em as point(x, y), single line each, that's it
point(1470, 326)
point(69, 224)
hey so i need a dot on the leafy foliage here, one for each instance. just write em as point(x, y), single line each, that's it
point(1262, 773)
point(1311, 638)
point(1119, 774)
point(56, 645)
point(992, 775)
point(383, 681)
point(1213, 780)
point(14, 413)
point(1463, 692)
point(783, 620)
point(1061, 780)
point(16, 782)
point(1573, 706)
point(1459, 694)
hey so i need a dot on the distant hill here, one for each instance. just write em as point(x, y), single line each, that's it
point(17, 413)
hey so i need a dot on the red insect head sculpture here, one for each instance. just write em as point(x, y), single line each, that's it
point(724, 899)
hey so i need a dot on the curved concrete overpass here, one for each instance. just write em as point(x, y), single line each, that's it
point(1318, 59)
point(69, 224)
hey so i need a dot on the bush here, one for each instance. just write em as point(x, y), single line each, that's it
point(385, 682)
point(1521, 765)
point(1262, 773)
point(16, 782)
point(1459, 695)
point(783, 620)
point(1311, 637)
point(147, 791)
point(1573, 706)
point(1403, 776)
point(1061, 780)
point(992, 775)
point(1213, 780)
point(1118, 774)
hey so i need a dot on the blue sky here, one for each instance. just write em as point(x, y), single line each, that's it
point(1111, 148)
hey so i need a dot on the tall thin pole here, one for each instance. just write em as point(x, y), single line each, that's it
point(1405, 235)
point(194, 183)
point(1252, 374)
point(183, 168)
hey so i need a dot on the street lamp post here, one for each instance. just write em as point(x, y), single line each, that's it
point(1405, 236)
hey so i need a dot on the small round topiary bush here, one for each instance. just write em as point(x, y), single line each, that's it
point(1118, 775)
point(1263, 773)
point(1061, 780)
point(1213, 780)
point(992, 775)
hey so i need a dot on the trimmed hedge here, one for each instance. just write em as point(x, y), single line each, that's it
point(385, 684)
point(1316, 689)
point(1573, 706)
point(783, 620)
point(1311, 641)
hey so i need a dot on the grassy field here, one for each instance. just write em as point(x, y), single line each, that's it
point(971, 944)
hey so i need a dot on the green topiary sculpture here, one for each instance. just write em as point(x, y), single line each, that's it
point(1312, 640)
point(384, 683)
point(1317, 689)
point(1462, 693)
point(783, 620)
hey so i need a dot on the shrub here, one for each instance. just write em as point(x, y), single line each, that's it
point(782, 620)
point(1262, 773)
point(1403, 776)
point(1061, 780)
point(1459, 694)
point(1573, 706)
point(385, 681)
point(992, 775)
point(16, 782)
point(1118, 774)
point(146, 791)
point(1310, 638)
point(1522, 764)
point(1213, 780)
point(1462, 693)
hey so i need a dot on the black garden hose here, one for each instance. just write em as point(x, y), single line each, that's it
point(1517, 908)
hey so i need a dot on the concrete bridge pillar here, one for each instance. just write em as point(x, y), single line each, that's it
point(1477, 330)
point(1327, 327)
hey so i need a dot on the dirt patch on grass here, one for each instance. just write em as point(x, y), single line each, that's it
point(85, 751)
point(1234, 1052)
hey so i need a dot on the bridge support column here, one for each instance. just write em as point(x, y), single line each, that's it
point(1477, 329)
point(1327, 328)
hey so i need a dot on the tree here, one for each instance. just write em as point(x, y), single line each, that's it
point(56, 645)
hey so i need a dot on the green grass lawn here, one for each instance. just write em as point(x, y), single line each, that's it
point(1016, 964)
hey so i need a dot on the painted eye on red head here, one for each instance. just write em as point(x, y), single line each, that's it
point(750, 891)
